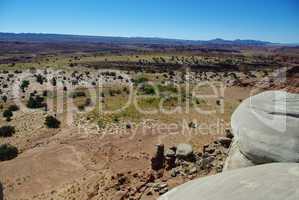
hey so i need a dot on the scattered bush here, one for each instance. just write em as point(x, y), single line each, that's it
point(7, 114)
point(7, 131)
point(87, 102)
point(40, 79)
point(8, 152)
point(101, 124)
point(13, 108)
point(81, 107)
point(76, 94)
point(140, 80)
point(108, 73)
point(35, 102)
point(148, 89)
point(45, 93)
point(113, 92)
point(167, 88)
point(115, 119)
point(53, 81)
point(4, 98)
point(126, 90)
point(52, 122)
point(24, 84)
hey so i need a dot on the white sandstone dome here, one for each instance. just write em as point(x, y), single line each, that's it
point(266, 127)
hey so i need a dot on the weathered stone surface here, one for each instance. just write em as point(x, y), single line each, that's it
point(274, 181)
point(236, 159)
point(266, 127)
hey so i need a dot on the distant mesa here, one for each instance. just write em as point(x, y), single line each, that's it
point(43, 37)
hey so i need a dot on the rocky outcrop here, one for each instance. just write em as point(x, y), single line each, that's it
point(274, 181)
point(158, 159)
point(265, 127)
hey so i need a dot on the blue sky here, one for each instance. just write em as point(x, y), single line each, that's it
point(272, 20)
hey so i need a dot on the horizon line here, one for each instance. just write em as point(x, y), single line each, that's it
point(149, 37)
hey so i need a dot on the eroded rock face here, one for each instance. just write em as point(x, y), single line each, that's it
point(254, 183)
point(266, 128)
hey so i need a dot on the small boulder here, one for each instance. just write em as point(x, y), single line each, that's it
point(170, 153)
point(184, 151)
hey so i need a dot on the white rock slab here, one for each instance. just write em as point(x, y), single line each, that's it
point(276, 181)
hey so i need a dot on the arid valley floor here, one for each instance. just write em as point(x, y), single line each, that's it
point(117, 106)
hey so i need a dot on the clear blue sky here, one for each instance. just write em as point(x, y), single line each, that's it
point(272, 20)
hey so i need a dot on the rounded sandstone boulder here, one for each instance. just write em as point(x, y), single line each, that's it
point(266, 127)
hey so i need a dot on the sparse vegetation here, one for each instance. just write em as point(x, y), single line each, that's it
point(4, 98)
point(8, 152)
point(140, 80)
point(7, 114)
point(166, 78)
point(24, 85)
point(13, 108)
point(148, 89)
point(7, 131)
point(35, 101)
point(76, 94)
point(52, 122)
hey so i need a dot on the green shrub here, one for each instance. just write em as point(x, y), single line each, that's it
point(8, 152)
point(7, 131)
point(52, 122)
point(101, 124)
point(24, 84)
point(115, 119)
point(167, 88)
point(148, 89)
point(140, 80)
